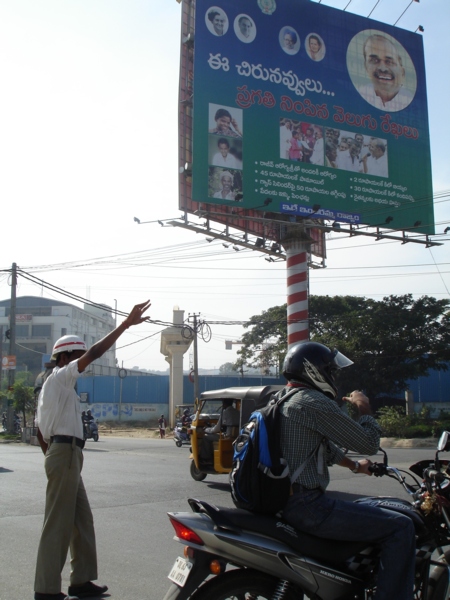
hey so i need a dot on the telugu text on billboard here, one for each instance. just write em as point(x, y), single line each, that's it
point(303, 109)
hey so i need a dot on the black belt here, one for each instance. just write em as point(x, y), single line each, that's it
point(298, 487)
point(66, 439)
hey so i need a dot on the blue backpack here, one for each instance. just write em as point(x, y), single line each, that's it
point(260, 479)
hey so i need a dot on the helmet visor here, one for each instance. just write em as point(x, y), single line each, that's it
point(340, 361)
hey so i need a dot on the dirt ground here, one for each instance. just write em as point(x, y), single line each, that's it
point(115, 429)
point(135, 430)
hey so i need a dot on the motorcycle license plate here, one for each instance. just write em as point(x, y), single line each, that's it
point(180, 571)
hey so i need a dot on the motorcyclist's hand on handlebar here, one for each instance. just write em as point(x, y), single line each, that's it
point(360, 400)
point(364, 466)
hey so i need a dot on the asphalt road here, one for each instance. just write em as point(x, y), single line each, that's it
point(131, 484)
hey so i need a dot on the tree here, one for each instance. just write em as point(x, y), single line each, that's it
point(265, 344)
point(23, 399)
point(227, 368)
point(391, 341)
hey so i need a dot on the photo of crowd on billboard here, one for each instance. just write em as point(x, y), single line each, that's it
point(225, 184)
point(289, 40)
point(381, 70)
point(315, 47)
point(245, 28)
point(225, 152)
point(225, 121)
point(216, 21)
point(355, 152)
point(301, 142)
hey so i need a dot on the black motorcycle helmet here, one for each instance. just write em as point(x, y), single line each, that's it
point(314, 364)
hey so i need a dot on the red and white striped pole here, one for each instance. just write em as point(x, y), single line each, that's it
point(297, 292)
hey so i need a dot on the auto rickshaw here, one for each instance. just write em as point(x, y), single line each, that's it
point(207, 413)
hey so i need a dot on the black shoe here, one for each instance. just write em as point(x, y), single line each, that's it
point(60, 596)
point(87, 590)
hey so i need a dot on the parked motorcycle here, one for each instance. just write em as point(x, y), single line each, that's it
point(234, 554)
point(90, 431)
point(181, 435)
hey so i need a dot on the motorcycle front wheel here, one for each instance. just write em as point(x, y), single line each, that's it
point(244, 584)
point(178, 443)
point(438, 582)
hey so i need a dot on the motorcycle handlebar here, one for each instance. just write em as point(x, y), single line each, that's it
point(378, 469)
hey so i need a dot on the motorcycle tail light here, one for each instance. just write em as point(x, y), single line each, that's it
point(184, 533)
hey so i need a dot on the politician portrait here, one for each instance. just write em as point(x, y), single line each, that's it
point(381, 70)
point(216, 21)
point(245, 28)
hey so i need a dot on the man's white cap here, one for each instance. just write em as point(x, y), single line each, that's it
point(68, 343)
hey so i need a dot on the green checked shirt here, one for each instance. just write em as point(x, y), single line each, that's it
point(309, 417)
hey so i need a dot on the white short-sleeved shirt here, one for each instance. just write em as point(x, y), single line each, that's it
point(59, 409)
point(377, 166)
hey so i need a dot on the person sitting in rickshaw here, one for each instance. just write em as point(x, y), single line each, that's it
point(228, 420)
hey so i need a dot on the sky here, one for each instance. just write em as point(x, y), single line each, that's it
point(88, 141)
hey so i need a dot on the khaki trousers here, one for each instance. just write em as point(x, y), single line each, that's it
point(68, 522)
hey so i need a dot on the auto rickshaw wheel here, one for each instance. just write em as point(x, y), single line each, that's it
point(196, 473)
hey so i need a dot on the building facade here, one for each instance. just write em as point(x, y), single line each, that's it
point(41, 321)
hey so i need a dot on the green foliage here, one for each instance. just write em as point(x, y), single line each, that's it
point(23, 399)
point(228, 368)
point(390, 341)
point(395, 423)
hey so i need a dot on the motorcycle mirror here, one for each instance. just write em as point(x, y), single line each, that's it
point(444, 442)
point(385, 458)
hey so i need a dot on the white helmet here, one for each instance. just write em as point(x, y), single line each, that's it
point(68, 343)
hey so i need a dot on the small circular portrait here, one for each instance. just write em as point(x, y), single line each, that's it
point(381, 70)
point(315, 47)
point(289, 40)
point(245, 28)
point(216, 21)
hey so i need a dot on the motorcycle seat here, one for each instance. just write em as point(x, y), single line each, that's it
point(335, 552)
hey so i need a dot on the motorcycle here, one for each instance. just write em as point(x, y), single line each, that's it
point(17, 426)
point(233, 554)
point(181, 435)
point(90, 431)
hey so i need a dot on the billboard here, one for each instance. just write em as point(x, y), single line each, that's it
point(306, 110)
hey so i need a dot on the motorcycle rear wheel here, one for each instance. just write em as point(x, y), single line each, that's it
point(243, 584)
point(178, 443)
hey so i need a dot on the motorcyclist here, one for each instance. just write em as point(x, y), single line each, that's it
point(186, 418)
point(88, 419)
point(312, 425)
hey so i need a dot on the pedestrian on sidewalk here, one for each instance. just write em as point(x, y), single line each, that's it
point(162, 423)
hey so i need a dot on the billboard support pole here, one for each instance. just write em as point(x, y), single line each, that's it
point(297, 291)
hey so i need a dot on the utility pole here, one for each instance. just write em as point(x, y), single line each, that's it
point(193, 319)
point(1, 355)
point(196, 394)
point(12, 343)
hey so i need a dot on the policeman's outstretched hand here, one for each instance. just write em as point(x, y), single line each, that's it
point(136, 315)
